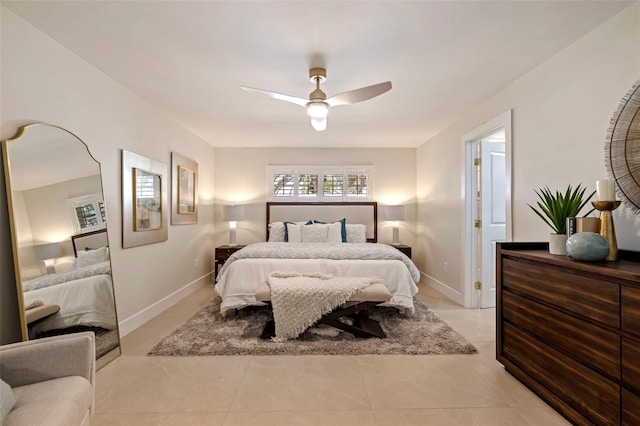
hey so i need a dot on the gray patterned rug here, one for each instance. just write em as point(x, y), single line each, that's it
point(207, 333)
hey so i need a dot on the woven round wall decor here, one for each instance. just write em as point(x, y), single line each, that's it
point(622, 148)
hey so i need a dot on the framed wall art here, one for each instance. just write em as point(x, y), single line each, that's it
point(144, 200)
point(184, 190)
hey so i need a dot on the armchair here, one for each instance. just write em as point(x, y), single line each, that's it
point(50, 381)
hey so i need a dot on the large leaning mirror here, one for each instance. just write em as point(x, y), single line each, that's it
point(59, 237)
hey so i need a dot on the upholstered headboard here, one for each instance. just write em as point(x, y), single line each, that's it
point(89, 240)
point(365, 212)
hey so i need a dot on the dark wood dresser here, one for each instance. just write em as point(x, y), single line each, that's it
point(570, 331)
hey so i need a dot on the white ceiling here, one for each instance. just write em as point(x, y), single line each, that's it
point(190, 57)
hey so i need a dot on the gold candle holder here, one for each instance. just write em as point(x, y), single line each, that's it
point(606, 225)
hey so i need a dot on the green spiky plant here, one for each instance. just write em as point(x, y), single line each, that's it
point(554, 209)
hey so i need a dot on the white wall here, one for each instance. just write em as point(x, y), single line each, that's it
point(241, 178)
point(41, 81)
point(561, 112)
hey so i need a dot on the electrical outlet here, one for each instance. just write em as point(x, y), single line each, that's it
point(195, 263)
point(445, 267)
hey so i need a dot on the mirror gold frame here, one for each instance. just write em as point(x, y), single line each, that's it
point(46, 168)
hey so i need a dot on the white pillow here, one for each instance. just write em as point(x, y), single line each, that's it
point(276, 232)
point(314, 233)
point(294, 232)
point(287, 226)
point(334, 234)
point(356, 233)
point(91, 257)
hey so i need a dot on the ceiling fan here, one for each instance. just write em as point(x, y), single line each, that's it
point(318, 105)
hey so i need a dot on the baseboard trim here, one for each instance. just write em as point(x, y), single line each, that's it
point(128, 325)
point(441, 287)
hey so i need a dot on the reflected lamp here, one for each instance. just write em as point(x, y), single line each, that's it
point(47, 253)
point(232, 214)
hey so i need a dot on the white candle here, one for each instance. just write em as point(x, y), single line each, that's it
point(606, 191)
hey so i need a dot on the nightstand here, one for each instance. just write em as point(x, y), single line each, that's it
point(223, 253)
point(403, 248)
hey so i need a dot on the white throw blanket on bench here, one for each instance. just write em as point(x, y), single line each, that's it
point(299, 300)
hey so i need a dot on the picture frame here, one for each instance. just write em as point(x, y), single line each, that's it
point(144, 200)
point(184, 190)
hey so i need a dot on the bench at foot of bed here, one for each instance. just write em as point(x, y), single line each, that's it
point(355, 309)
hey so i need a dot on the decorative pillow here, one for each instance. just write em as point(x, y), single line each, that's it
point(293, 232)
point(276, 232)
point(343, 230)
point(297, 237)
point(356, 233)
point(334, 232)
point(7, 399)
point(314, 233)
point(91, 257)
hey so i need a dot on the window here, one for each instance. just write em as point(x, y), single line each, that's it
point(313, 183)
point(308, 185)
point(283, 185)
point(88, 213)
point(357, 185)
point(332, 185)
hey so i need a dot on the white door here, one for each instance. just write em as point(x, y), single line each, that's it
point(493, 215)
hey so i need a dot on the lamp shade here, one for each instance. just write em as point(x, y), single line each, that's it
point(232, 213)
point(47, 251)
point(395, 212)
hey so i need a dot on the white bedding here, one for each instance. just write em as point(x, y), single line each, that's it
point(247, 269)
point(86, 301)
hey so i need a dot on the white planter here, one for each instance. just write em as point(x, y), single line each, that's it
point(558, 244)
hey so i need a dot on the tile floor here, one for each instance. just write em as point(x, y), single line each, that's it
point(393, 390)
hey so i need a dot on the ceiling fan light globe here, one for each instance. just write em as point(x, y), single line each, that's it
point(317, 109)
point(319, 124)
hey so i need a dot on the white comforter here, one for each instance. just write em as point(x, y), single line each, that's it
point(61, 277)
point(86, 301)
point(247, 269)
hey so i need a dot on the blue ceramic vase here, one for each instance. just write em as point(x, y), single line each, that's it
point(587, 247)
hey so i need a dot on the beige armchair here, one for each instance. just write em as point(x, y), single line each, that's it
point(48, 381)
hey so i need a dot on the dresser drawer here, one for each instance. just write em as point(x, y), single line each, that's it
point(590, 297)
point(630, 408)
point(631, 310)
point(597, 397)
point(585, 342)
point(631, 364)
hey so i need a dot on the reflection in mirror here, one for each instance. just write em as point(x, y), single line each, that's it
point(148, 205)
point(61, 251)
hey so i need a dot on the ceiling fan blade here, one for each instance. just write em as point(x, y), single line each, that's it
point(279, 96)
point(359, 95)
point(319, 124)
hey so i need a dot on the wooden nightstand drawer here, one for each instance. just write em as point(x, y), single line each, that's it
point(403, 248)
point(223, 252)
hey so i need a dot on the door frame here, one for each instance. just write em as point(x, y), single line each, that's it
point(468, 174)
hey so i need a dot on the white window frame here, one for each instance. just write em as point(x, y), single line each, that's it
point(320, 171)
point(97, 202)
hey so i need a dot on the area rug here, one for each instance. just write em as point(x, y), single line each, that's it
point(207, 333)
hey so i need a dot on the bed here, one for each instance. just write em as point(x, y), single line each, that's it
point(84, 294)
point(357, 254)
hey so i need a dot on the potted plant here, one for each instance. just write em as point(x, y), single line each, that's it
point(554, 209)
